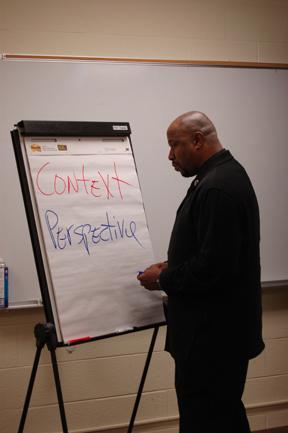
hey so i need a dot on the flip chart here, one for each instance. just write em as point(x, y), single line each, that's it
point(95, 234)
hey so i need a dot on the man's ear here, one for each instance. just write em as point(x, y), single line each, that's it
point(198, 140)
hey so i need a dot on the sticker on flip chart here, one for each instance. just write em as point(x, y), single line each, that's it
point(120, 128)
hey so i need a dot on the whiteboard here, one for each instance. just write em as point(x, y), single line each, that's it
point(248, 106)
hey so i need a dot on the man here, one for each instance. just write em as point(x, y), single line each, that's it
point(212, 279)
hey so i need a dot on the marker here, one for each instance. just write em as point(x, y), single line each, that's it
point(79, 340)
point(120, 330)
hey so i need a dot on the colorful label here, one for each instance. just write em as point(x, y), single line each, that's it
point(3, 287)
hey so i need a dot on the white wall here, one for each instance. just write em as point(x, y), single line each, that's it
point(100, 379)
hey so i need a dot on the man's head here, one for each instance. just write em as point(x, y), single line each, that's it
point(192, 138)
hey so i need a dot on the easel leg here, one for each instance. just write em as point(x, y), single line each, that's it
point(30, 389)
point(142, 382)
point(45, 334)
point(59, 391)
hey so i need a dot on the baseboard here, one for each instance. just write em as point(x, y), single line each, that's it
point(274, 430)
point(171, 424)
point(168, 426)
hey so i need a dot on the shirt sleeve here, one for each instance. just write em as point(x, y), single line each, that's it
point(217, 262)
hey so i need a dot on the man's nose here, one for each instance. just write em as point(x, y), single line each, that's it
point(171, 155)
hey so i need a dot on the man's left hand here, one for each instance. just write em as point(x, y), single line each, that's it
point(149, 278)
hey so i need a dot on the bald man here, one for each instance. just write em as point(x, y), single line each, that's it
point(212, 279)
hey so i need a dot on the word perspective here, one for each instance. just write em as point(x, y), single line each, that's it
point(88, 235)
point(99, 185)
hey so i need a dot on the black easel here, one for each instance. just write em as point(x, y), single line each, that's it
point(45, 335)
point(142, 382)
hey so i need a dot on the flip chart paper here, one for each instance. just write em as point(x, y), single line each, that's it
point(95, 234)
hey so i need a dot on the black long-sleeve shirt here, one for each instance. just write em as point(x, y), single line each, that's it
point(213, 274)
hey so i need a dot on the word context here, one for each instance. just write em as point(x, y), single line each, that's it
point(102, 185)
point(88, 235)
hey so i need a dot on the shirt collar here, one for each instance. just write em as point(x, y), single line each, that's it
point(218, 158)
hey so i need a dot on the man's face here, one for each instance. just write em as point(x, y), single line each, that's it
point(183, 151)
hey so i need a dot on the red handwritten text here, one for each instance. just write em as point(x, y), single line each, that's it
point(102, 185)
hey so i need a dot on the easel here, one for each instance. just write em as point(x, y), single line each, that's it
point(143, 378)
point(45, 335)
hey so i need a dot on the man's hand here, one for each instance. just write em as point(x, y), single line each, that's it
point(149, 278)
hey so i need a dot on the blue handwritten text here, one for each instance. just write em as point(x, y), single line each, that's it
point(87, 235)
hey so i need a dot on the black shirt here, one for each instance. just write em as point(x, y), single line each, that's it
point(213, 274)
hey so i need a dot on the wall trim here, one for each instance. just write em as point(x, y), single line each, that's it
point(274, 430)
point(171, 422)
point(183, 62)
point(165, 426)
